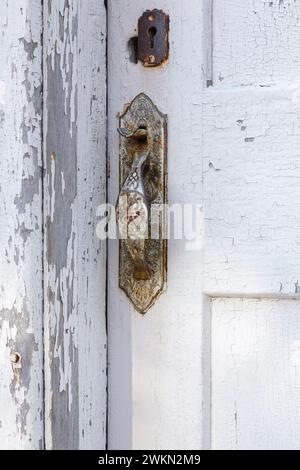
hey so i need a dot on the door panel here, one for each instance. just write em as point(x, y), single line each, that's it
point(255, 42)
point(251, 190)
point(251, 165)
point(255, 400)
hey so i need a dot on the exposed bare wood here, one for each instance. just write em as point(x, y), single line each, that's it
point(21, 300)
point(75, 184)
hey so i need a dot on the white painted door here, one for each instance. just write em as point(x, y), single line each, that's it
point(251, 168)
point(216, 362)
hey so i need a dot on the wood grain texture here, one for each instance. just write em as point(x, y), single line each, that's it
point(21, 300)
point(75, 260)
point(255, 42)
point(156, 396)
point(255, 374)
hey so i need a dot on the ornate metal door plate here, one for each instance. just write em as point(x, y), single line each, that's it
point(141, 207)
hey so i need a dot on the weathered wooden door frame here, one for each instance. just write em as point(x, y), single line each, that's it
point(74, 67)
point(53, 177)
point(21, 240)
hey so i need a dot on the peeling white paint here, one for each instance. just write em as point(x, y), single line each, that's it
point(75, 260)
point(21, 223)
point(251, 241)
point(255, 374)
point(251, 142)
point(240, 136)
point(63, 183)
point(255, 42)
point(61, 41)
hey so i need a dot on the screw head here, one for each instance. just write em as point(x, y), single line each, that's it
point(151, 59)
point(15, 358)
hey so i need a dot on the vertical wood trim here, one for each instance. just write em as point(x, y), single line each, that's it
point(208, 11)
point(75, 260)
point(164, 393)
point(21, 299)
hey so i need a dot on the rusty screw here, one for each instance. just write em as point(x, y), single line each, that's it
point(151, 18)
point(15, 358)
point(151, 59)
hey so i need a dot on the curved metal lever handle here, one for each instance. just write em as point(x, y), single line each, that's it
point(142, 185)
point(140, 133)
point(133, 216)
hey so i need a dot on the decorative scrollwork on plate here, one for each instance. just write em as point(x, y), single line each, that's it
point(141, 113)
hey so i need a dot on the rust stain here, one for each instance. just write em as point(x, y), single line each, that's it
point(153, 38)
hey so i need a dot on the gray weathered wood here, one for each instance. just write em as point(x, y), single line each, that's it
point(21, 300)
point(75, 184)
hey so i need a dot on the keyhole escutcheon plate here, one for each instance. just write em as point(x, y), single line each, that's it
point(153, 38)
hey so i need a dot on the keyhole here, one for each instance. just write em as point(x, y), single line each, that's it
point(152, 33)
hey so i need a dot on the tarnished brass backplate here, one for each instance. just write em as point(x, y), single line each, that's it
point(142, 113)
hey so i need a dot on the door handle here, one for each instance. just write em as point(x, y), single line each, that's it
point(133, 215)
point(141, 205)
